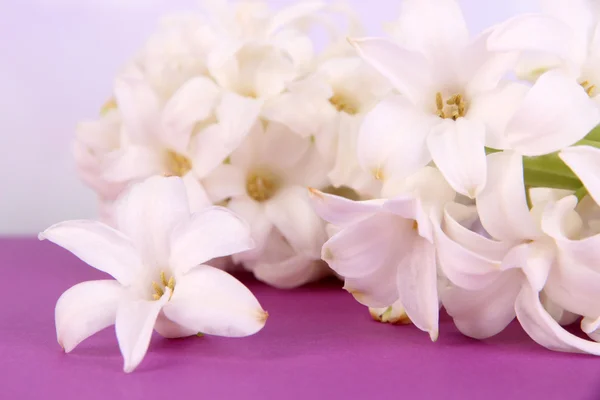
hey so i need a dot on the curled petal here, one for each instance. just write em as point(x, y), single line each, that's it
point(585, 162)
point(591, 326)
point(131, 163)
point(377, 289)
point(417, 285)
point(134, 324)
point(340, 211)
point(211, 233)
point(502, 206)
point(359, 250)
point(213, 302)
point(485, 312)
point(544, 330)
point(292, 272)
point(98, 245)
point(85, 309)
point(169, 329)
point(554, 114)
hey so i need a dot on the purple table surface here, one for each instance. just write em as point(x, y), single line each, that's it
point(318, 344)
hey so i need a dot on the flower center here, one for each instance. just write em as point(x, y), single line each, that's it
point(177, 164)
point(343, 103)
point(262, 184)
point(453, 108)
point(111, 104)
point(159, 288)
point(588, 87)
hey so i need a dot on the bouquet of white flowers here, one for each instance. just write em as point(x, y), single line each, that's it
point(429, 169)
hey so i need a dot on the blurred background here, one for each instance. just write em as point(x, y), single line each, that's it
point(58, 60)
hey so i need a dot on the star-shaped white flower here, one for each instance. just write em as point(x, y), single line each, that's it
point(443, 111)
point(156, 258)
point(532, 267)
point(384, 249)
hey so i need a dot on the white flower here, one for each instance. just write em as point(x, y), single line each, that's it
point(188, 136)
point(265, 181)
point(329, 107)
point(385, 250)
point(529, 252)
point(563, 37)
point(442, 113)
point(156, 258)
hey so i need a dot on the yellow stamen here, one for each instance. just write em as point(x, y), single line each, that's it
point(455, 107)
point(171, 283)
point(178, 164)
point(262, 184)
point(439, 102)
point(163, 279)
point(343, 103)
point(415, 225)
point(159, 290)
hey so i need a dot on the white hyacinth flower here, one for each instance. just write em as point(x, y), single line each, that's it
point(530, 259)
point(265, 181)
point(385, 250)
point(442, 114)
point(156, 258)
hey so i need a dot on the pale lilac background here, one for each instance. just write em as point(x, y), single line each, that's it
point(57, 60)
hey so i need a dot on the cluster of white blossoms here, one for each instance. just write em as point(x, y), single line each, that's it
point(443, 170)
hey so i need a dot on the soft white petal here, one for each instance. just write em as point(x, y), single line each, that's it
point(585, 162)
point(253, 213)
point(408, 71)
point(391, 141)
point(532, 32)
point(457, 148)
point(225, 181)
point(291, 213)
point(377, 289)
point(417, 284)
point(360, 249)
point(139, 107)
point(340, 211)
point(293, 13)
point(554, 114)
point(169, 329)
point(197, 196)
point(502, 205)
point(147, 214)
point(211, 233)
point(432, 26)
point(85, 309)
point(544, 330)
point(192, 103)
point(485, 312)
point(98, 245)
point(591, 326)
point(280, 148)
point(132, 162)
point(213, 302)
point(134, 324)
point(290, 273)
point(495, 108)
point(535, 259)
point(235, 115)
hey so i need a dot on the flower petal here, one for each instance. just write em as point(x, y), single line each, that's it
point(134, 324)
point(417, 284)
point(149, 211)
point(457, 148)
point(169, 329)
point(377, 289)
point(211, 233)
point(85, 309)
point(213, 302)
point(544, 330)
point(293, 13)
point(340, 211)
point(225, 181)
point(291, 272)
point(591, 326)
point(192, 103)
point(532, 32)
point(99, 246)
point(408, 71)
point(235, 115)
point(554, 114)
point(585, 162)
point(391, 141)
point(502, 206)
point(360, 249)
point(485, 312)
point(535, 259)
point(197, 196)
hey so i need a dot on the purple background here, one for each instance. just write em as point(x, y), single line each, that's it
point(318, 343)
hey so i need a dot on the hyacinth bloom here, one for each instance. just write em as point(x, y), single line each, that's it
point(160, 280)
